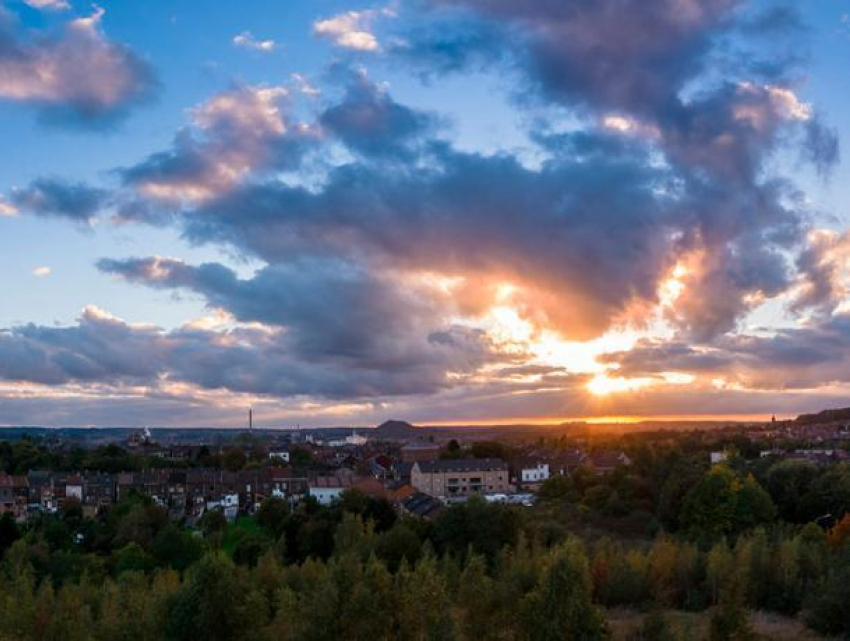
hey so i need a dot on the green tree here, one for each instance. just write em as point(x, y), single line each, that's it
point(176, 548)
point(477, 600)
point(272, 515)
point(730, 621)
point(830, 607)
point(233, 458)
point(214, 603)
point(477, 525)
point(398, 544)
point(422, 603)
point(559, 608)
point(723, 503)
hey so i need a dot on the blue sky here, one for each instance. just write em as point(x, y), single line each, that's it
point(585, 235)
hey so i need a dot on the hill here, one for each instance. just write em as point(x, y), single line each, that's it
point(826, 416)
point(396, 431)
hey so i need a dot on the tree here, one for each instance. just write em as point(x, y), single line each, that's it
point(830, 608)
point(422, 605)
point(214, 603)
point(248, 547)
point(558, 488)
point(174, 547)
point(272, 515)
point(730, 621)
point(723, 503)
point(9, 532)
point(477, 525)
point(212, 523)
point(477, 600)
point(398, 544)
point(131, 558)
point(788, 483)
point(559, 608)
point(233, 458)
point(300, 456)
point(838, 536)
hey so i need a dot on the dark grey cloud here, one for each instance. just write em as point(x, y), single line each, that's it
point(368, 120)
point(632, 54)
point(259, 360)
point(74, 77)
point(57, 198)
point(330, 310)
point(561, 229)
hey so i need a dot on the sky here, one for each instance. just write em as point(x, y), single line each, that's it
point(444, 211)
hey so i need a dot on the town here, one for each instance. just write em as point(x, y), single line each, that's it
point(416, 472)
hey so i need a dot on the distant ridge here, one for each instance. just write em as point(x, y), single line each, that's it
point(826, 416)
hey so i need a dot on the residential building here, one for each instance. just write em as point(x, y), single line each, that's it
point(419, 451)
point(533, 473)
point(422, 505)
point(460, 477)
point(279, 453)
point(327, 489)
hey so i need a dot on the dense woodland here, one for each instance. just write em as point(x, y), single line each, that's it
point(667, 533)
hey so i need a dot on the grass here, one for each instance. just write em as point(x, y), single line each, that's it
point(243, 525)
point(695, 625)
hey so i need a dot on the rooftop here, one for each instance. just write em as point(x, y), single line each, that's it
point(463, 465)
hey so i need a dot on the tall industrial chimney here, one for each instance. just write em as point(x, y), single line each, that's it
point(251, 420)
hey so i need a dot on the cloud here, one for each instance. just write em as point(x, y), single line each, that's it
point(247, 41)
point(41, 272)
point(389, 324)
point(816, 355)
point(486, 220)
point(57, 198)
point(304, 86)
point(235, 133)
point(350, 30)
point(824, 268)
point(368, 120)
point(397, 265)
point(75, 77)
point(409, 202)
point(7, 209)
point(51, 5)
point(250, 359)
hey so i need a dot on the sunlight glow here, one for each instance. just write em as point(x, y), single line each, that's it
point(603, 385)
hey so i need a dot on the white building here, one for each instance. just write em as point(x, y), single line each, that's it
point(535, 474)
point(719, 457)
point(281, 454)
point(327, 489)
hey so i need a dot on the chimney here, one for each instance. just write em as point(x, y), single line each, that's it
point(250, 420)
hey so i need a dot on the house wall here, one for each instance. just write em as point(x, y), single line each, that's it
point(326, 495)
point(460, 483)
point(535, 474)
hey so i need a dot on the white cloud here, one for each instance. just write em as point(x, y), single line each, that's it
point(53, 5)
point(41, 272)
point(246, 40)
point(7, 208)
point(304, 86)
point(351, 30)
